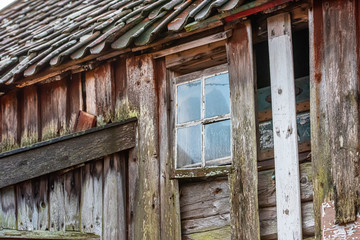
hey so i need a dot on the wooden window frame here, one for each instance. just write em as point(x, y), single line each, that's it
point(202, 170)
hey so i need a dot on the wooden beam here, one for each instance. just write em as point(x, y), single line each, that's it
point(197, 43)
point(243, 180)
point(284, 127)
point(60, 153)
point(334, 95)
point(143, 95)
point(8, 234)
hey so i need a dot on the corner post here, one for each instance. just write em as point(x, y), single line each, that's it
point(243, 180)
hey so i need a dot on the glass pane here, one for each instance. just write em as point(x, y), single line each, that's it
point(189, 102)
point(217, 140)
point(189, 146)
point(217, 95)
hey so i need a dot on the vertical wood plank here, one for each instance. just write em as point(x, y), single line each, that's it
point(53, 109)
point(100, 93)
point(75, 99)
point(32, 200)
point(169, 189)
point(57, 203)
point(9, 136)
point(91, 207)
point(30, 129)
point(114, 198)
point(25, 206)
point(41, 203)
point(334, 108)
point(288, 203)
point(10, 122)
point(7, 208)
point(133, 195)
point(244, 179)
point(142, 94)
point(72, 199)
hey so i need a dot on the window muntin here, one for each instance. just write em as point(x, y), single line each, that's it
point(203, 131)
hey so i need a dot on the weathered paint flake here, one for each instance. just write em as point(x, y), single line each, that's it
point(330, 230)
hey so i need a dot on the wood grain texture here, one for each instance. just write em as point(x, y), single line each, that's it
point(114, 216)
point(10, 122)
point(142, 94)
point(75, 101)
point(33, 204)
point(288, 202)
point(169, 194)
point(99, 85)
point(7, 208)
point(57, 208)
point(243, 180)
point(53, 99)
point(91, 208)
point(205, 207)
point(30, 124)
point(57, 154)
point(36, 235)
point(334, 107)
point(72, 196)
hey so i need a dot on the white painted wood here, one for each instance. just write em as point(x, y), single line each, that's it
point(284, 127)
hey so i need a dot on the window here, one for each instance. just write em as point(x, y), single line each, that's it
point(203, 131)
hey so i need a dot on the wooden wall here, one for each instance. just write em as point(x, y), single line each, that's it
point(71, 200)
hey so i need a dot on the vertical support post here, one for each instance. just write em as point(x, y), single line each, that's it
point(244, 179)
point(334, 99)
point(288, 203)
point(143, 95)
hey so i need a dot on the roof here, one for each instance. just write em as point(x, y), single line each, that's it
point(41, 33)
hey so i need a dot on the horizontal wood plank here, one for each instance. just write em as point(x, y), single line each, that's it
point(10, 234)
point(197, 43)
point(64, 152)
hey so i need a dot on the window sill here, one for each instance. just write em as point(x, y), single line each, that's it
point(218, 171)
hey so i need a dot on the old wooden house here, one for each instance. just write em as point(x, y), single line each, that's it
point(179, 119)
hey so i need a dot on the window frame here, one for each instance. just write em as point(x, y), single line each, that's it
point(198, 169)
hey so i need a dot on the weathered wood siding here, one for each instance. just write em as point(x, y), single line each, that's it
point(205, 209)
point(61, 201)
point(334, 96)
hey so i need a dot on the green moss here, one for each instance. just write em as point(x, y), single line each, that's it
point(8, 145)
point(124, 111)
point(217, 234)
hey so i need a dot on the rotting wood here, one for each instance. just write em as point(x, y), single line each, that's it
point(64, 152)
point(284, 128)
point(169, 194)
point(91, 208)
point(243, 180)
point(197, 43)
point(202, 172)
point(36, 235)
point(334, 111)
point(142, 94)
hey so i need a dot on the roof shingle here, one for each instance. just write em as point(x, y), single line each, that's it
point(40, 33)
